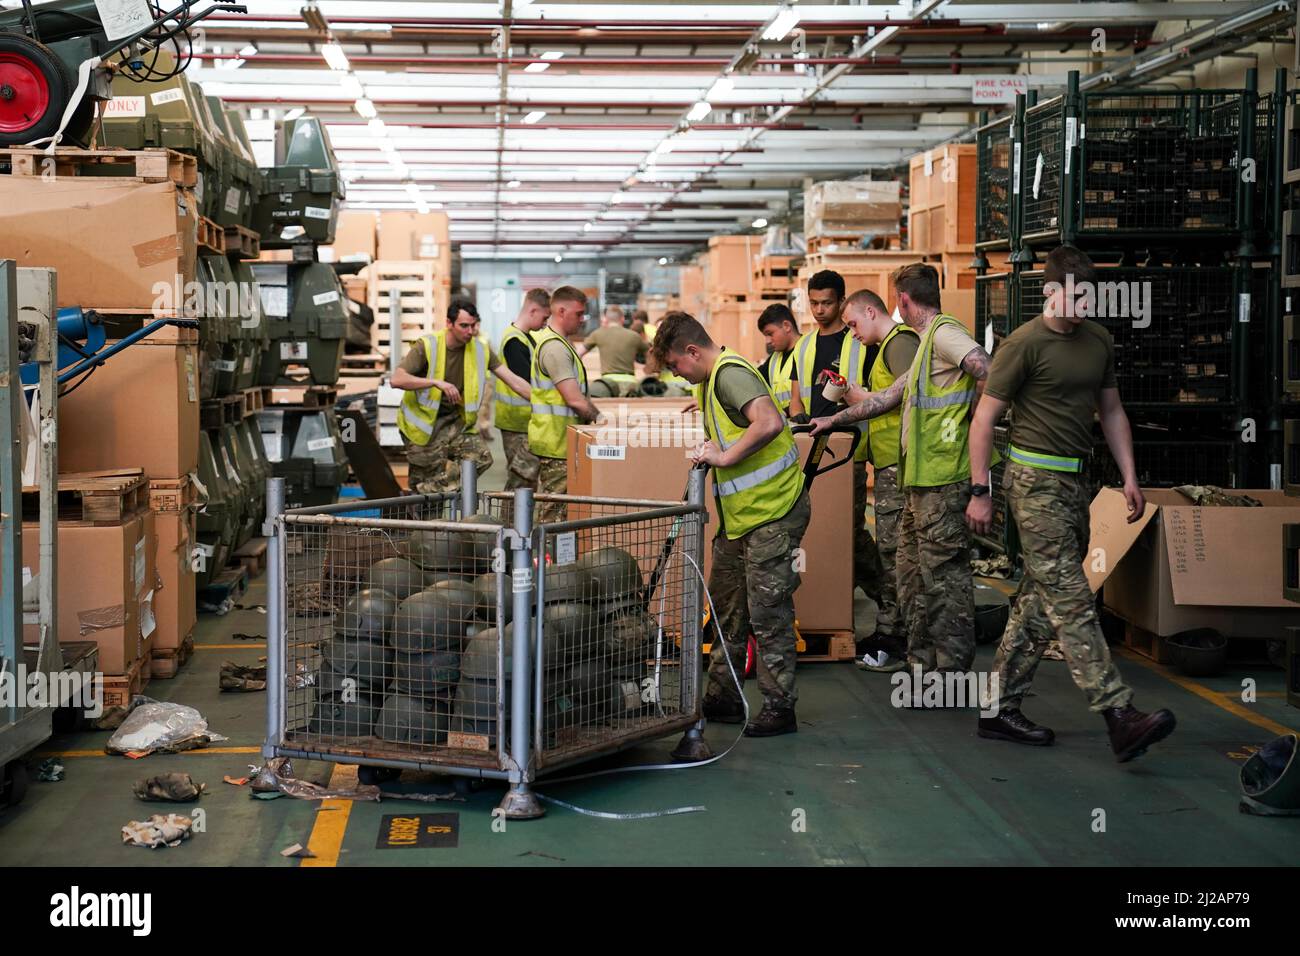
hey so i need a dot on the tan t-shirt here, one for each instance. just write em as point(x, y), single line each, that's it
point(620, 349)
point(556, 361)
point(415, 364)
point(951, 345)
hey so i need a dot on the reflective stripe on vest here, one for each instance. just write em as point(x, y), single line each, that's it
point(850, 358)
point(938, 449)
point(549, 421)
point(766, 484)
point(419, 407)
point(778, 371)
point(512, 410)
point(883, 430)
point(1036, 459)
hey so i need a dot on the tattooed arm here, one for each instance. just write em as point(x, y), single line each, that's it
point(875, 404)
point(976, 365)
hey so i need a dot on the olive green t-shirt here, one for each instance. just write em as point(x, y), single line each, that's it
point(900, 352)
point(736, 387)
point(454, 372)
point(1053, 381)
point(620, 349)
point(556, 361)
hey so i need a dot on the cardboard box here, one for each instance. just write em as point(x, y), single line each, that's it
point(175, 604)
point(692, 297)
point(854, 208)
point(411, 235)
point(650, 462)
point(138, 410)
point(356, 235)
point(731, 264)
point(115, 242)
point(1181, 566)
point(105, 579)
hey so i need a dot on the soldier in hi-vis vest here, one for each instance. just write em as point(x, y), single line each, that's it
point(444, 376)
point(763, 512)
point(780, 331)
point(935, 590)
point(512, 410)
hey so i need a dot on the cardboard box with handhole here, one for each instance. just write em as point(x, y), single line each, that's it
point(617, 462)
point(1182, 566)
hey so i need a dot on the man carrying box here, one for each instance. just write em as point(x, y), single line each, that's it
point(763, 513)
point(1055, 372)
point(513, 410)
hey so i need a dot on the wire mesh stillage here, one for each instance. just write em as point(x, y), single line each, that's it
point(399, 638)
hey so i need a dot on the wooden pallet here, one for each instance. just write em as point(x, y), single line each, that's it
point(165, 663)
point(226, 410)
point(172, 494)
point(117, 690)
point(149, 165)
point(211, 237)
point(252, 556)
point(231, 584)
point(254, 400)
point(301, 396)
point(774, 275)
point(371, 363)
point(95, 497)
point(424, 295)
point(242, 243)
point(827, 646)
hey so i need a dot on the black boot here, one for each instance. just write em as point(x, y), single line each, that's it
point(1132, 732)
point(719, 711)
point(1011, 724)
point(772, 722)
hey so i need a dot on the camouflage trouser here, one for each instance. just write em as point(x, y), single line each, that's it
point(867, 573)
point(435, 467)
point(891, 624)
point(552, 479)
point(936, 594)
point(1054, 599)
point(752, 583)
point(521, 464)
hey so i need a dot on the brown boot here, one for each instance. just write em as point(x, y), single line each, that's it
point(1132, 732)
point(772, 722)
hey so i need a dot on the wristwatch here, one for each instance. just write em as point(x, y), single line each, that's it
point(979, 491)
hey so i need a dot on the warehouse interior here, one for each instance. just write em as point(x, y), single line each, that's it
point(239, 242)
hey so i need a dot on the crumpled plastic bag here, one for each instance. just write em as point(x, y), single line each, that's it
point(175, 787)
point(153, 726)
point(158, 830)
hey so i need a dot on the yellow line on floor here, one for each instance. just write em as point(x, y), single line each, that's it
point(326, 840)
point(101, 753)
point(1205, 693)
point(227, 647)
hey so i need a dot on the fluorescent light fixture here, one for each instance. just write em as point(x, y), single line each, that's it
point(294, 113)
point(616, 198)
point(248, 50)
point(665, 147)
point(759, 223)
point(723, 84)
point(400, 169)
point(534, 116)
point(388, 148)
point(334, 56)
point(351, 87)
point(413, 190)
point(700, 110)
point(513, 184)
point(366, 108)
point(255, 113)
point(548, 58)
point(376, 127)
point(780, 27)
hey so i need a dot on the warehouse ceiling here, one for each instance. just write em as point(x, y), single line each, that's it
point(589, 128)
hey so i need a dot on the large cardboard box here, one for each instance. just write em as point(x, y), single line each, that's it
point(692, 298)
point(356, 235)
point(117, 243)
point(731, 264)
point(1182, 566)
point(407, 235)
point(105, 579)
point(651, 462)
point(176, 598)
point(853, 209)
point(138, 410)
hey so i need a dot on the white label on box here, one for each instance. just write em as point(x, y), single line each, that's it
point(122, 18)
point(139, 565)
point(607, 452)
point(1243, 307)
point(1070, 126)
point(148, 623)
point(1038, 174)
point(233, 197)
point(124, 106)
point(988, 338)
point(1015, 169)
point(325, 298)
point(191, 387)
point(929, 163)
point(566, 548)
point(293, 351)
point(316, 444)
point(166, 96)
point(315, 212)
point(522, 581)
point(225, 365)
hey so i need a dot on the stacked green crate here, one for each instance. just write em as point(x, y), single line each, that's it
point(305, 447)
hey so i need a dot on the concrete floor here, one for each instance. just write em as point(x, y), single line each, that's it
point(862, 783)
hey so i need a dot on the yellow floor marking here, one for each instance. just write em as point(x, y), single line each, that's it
point(227, 647)
point(1200, 690)
point(327, 833)
point(199, 752)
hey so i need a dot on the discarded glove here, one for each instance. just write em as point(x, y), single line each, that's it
point(237, 677)
point(51, 771)
point(158, 830)
point(176, 787)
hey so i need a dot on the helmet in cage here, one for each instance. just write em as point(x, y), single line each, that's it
point(405, 720)
point(398, 576)
point(476, 549)
point(479, 662)
point(570, 632)
point(615, 576)
point(341, 718)
point(369, 662)
point(430, 676)
point(368, 614)
point(433, 549)
point(566, 583)
point(433, 619)
point(629, 636)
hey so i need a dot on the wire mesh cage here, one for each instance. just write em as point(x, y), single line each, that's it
point(993, 190)
point(993, 309)
point(1165, 458)
point(1040, 167)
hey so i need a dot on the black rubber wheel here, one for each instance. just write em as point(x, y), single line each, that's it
point(35, 86)
point(16, 779)
point(374, 776)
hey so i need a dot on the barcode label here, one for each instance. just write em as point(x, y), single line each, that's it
point(224, 365)
point(315, 212)
point(167, 96)
point(325, 298)
point(316, 444)
point(1243, 307)
point(607, 452)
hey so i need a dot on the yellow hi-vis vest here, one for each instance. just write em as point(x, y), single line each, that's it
point(511, 410)
point(549, 423)
point(419, 408)
point(778, 374)
point(938, 437)
point(805, 357)
point(762, 487)
point(882, 431)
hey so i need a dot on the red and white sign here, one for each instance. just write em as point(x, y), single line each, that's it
point(997, 89)
point(125, 106)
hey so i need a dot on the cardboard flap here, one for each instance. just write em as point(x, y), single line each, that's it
point(1111, 534)
point(1225, 556)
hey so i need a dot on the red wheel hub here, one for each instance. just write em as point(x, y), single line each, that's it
point(24, 93)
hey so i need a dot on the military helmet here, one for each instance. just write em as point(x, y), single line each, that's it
point(566, 583)
point(479, 662)
point(629, 636)
point(485, 593)
point(399, 577)
point(476, 548)
point(431, 620)
point(615, 575)
point(368, 614)
point(433, 549)
point(570, 632)
point(368, 662)
point(429, 676)
point(405, 720)
point(339, 718)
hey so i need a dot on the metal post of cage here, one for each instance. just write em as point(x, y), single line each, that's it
point(275, 630)
point(468, 488)
point(520, 803)
point(693, 747)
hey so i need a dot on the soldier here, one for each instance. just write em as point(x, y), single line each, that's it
point(895, 345)
point(559, 396)
point(620, 350)
point(781, 332)
point(763, 512)
point(1055, 372)
point(444, 376)
point(830, 347)
point(513, 410)
point(935, 590)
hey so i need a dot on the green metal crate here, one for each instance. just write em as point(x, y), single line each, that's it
point(993, 189)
